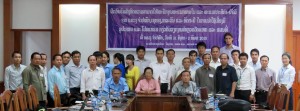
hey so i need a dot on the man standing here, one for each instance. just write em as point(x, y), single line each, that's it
point(98, 56)
point(44, 68)
point(174, 68)
point(186, 63)
point(56, 76)
point(66, 57)
point(33, 75)
point(92, 78)
point(246, 80)
point(254, 56)
point(205, 75)
point(201, 47)
point(226, 77)
point(141, 62)
point(264, 78)
point(73, 73)
point(228, 39)
point(161, 70)
point(13, 73)
point(235, 56)
point(194, 65)
point(215, 53)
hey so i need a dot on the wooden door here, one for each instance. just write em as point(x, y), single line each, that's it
point(296, 64)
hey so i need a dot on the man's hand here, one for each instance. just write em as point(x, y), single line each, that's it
point(252, 98)
point(83, 97)
point(231, 95)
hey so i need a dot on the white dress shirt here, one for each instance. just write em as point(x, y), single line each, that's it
point(44, 69)
point(92, 79)
point(142, 64)
point(215, 64)
point(286, 76)
point(173, 70)
point(13, 77)
point(161, 70)
point(236, 66)
point(246, 79)
point(255, 66)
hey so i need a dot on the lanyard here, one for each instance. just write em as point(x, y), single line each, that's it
point(241, 72)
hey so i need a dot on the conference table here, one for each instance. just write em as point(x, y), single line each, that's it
point(158, 102)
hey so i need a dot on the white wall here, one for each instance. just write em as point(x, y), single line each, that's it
point(80, 29)
point(296, 15)
point(36, 42)
point(265, 30)
point(1, 41)
point(32, 14)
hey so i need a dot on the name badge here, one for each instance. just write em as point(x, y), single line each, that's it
point(211, 75)
point(224, 74)
point(42, 75)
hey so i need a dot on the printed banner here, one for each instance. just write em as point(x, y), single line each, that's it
point(177, 26)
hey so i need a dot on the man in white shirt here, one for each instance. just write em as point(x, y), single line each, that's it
point(254, 56)
point(13, 73)
point(235, 56)
point(246, 80)
point(228, 39)
point(92, 78)
point(44, 68)
point(186, 63)
point(170, 56)
point(194, 65)
point(141, 62)
point(215, 53)
point(161, 70)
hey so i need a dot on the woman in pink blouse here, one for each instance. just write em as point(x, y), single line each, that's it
point(148, 85)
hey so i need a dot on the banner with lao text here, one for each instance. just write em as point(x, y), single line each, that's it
point(177, 26)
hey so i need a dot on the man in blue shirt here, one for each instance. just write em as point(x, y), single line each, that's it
point(57, 76)
point(116, 85)
point(201, 47)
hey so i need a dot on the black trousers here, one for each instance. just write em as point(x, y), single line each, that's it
point(42, 104)
point(12, 91)
point(261, 96)
point(164, 87)
point(87, 93)
point(242, 94)
point(64, 99)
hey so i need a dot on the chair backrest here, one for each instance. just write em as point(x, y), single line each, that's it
point(270, 92)
point(20, 102)
point(271, 102)
point(7, 100)
point(56, 96)
point(32, 98)
point(1, 104)
point(283, 97)
point(298, 104)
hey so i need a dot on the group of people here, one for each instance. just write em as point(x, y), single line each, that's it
point(224, 70)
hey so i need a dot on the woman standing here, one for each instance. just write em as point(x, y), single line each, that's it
point(132, 72)
point(119, 61)
point(106, 65)
point(286, 76)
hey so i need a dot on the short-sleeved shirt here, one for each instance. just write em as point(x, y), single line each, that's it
point(224, 79)
point(180, 89)
point(205, 77)
point(264, 78)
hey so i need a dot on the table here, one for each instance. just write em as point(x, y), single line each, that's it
point(158, 102)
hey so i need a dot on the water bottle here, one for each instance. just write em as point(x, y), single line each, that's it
point(94, 103)
point(217, 104)
point(211, 103)
point(108, 105)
